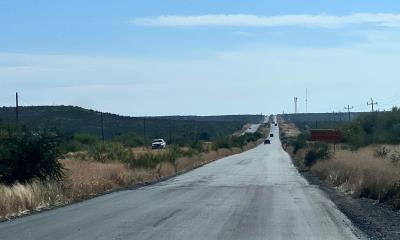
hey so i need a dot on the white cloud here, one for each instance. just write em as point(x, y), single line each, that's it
point(244, 20)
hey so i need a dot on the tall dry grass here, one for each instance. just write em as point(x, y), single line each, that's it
point(85, 178)
point(363, 174)
point(88, 178)
point(19, 198)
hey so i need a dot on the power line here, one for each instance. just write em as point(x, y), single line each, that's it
point(372, 104)
point(348, 108)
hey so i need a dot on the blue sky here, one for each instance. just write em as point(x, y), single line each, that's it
point(200, 57)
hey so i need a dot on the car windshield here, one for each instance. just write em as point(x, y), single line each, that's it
point(158, 141)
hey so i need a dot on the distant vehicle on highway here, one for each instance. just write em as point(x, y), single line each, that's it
point(158, 144)
point(267, 141)
point(271, 135)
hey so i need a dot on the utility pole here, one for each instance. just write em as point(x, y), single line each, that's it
point(102, 127)
point(348, 108)
point(372, 104)
point(16, 108)
point(295, 104)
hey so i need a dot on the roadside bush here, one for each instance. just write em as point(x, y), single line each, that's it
point(299, 142)
point(151, 160)
point(129, 140)
point(395, 133)
point(26, 154)
point(77, 142)
point(381, 152)
point(222, 142)
point(373, 128)
point(354, 135)
point(236, 141)
point(317, 151)
point(395, 157)
point(108, 151)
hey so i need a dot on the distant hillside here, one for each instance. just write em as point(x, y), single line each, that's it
point(219, 118)
point(321, 117)
point(79, 120)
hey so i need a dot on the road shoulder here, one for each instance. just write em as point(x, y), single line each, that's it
point(376, 220)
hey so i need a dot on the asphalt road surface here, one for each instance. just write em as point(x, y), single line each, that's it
point(254, 195)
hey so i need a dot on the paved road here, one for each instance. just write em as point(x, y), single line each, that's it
point(254, 195)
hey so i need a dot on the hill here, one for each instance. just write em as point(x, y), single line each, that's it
point(71, 119)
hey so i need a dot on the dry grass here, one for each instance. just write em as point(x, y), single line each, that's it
point(362, 174)
point(20, 198)
point(85, 178)
point(289, 129)
point(165, 169)
point(186, 163)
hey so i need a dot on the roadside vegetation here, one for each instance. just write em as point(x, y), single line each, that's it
point(44, 168)
point(365, 164)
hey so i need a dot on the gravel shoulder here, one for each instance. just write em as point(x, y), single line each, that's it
point(376, 220)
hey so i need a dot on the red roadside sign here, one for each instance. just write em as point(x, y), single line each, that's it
point(326, 135)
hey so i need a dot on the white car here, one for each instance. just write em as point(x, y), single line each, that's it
point(158, 144)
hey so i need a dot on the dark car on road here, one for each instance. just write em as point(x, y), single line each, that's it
point(267, 141)
point(271, 135)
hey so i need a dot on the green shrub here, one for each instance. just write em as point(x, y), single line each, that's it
point(78, 142)
point(151, 160)
point(27, 154)
point(108, 151)
point(129, 140)
point(317, 151)
point(236, 141)
point(299, 142)
point(222, 142)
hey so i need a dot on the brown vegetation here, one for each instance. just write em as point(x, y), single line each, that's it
point(88, 178)
point(85, 178)
point(372, 172)
point(289, 129)
point(20, 198)
point(363, 173)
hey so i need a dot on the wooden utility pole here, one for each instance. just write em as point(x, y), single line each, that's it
point(348, 108)
point(16, 107)
point(372, 104)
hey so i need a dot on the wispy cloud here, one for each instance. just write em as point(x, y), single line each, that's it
point(244, 20)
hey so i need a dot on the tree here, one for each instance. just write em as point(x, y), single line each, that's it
point(26, 154)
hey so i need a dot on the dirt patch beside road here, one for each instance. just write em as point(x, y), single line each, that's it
point(289, 129)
